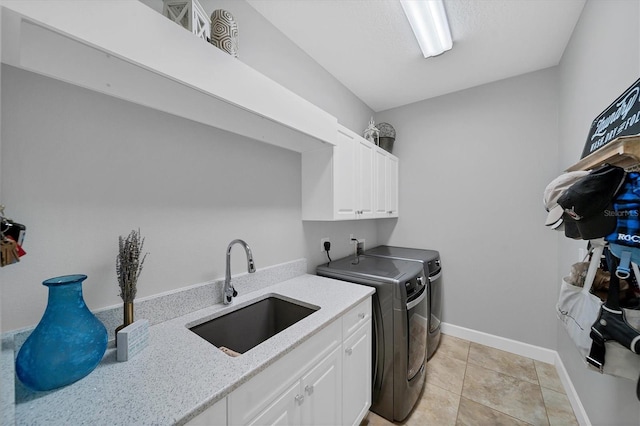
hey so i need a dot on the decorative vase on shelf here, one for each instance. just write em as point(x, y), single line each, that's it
point(387, 136)
point(67, 344)
point(371, 133)
point(224, 32)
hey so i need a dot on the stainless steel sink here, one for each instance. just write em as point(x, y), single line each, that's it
point(251, 325)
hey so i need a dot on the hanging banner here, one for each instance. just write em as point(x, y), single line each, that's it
point(621, 118)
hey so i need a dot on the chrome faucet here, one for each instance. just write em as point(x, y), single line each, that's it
point(229, 291)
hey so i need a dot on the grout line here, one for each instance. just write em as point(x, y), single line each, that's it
point(544, 403)
point(538, 385)
point(464, 377)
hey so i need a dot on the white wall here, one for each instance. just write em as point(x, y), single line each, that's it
point(79, 169)
point(265, 48)
point(600, 62)
point(474, 167)
point(0, 140)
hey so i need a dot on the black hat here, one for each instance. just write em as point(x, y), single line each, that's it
point(592, 227)
point(588, 201)
point(570, 228)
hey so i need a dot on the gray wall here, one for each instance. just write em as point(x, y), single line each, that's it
point(600, 62)
point(80, 169)
point(0, 144)
point(474, 166)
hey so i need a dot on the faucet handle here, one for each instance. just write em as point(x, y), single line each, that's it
point(228, 297)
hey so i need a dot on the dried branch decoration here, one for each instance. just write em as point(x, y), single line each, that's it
point(129, 264)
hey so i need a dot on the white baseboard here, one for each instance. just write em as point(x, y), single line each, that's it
point(524, 349)
point(570, 390)
point(502, 343)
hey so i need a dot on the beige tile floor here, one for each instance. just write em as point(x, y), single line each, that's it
point(474, 385)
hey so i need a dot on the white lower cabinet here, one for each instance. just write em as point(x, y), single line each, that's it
point(322, 392)
point(324, 381)
point(314, 400)
point(284, 411)
point(356, 364)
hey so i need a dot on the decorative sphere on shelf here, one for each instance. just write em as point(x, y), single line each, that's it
point(386, 130)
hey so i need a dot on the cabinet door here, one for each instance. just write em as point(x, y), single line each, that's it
point(322, 390)
point(356, 382)
point(364, 171)
point(345, 155)
point(285, 410)
point(386, 184)
point(392, 186)
point(381, 186)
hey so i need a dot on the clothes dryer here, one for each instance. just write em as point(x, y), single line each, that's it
point(430, 260)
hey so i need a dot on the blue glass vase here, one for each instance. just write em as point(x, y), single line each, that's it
point(68, 342)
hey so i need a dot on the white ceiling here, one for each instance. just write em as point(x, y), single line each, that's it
point(369, 47)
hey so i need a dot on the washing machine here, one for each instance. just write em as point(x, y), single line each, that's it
point(430, 259)
point(400, 328)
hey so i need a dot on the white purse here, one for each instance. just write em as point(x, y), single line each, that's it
point(577, 308)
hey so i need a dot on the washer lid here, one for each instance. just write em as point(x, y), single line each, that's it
point(406, 253)
point(375, 268)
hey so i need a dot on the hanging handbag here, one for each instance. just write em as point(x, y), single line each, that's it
point(577, 308)
point(616, 337)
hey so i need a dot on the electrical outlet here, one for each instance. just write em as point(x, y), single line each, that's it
point(322, 241)
point(351, 239)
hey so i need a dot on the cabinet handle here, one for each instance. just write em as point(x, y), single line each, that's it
point(299, 399)
point(309, 389)
point(349, 351)
point(361, 315)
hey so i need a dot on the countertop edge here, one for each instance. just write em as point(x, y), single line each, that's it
point(175, 393)
point(270, 361)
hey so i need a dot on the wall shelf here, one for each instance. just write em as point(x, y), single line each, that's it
point(127, 50)
point(622, 152)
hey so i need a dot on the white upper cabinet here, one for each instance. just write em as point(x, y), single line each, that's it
point(353, 180)
point(353, 176)
point(365, 169)
point(386, 184)
point(127, 50)
point(344, 180)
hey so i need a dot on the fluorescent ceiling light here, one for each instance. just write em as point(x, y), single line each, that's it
point(429, 24)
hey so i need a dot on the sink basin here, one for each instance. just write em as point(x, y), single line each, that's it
point(247, 327)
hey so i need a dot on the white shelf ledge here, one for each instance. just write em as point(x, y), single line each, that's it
point(124, 49)
point(623, 151)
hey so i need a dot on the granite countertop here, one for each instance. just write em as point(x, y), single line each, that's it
point(179, 374)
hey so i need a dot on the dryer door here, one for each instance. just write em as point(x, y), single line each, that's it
point(418, 323)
